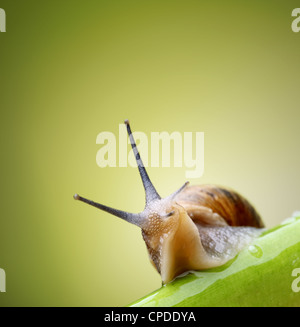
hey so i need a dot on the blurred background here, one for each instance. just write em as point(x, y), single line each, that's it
point(71, 69)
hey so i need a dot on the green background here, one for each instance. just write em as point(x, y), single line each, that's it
point(72, 69)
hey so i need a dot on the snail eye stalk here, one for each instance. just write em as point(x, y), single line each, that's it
point(151, 193)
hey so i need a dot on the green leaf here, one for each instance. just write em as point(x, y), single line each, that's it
point(260, 275)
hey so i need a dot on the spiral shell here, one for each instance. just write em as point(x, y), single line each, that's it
point(219, 206)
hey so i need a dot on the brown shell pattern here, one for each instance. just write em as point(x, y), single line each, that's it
point(224, 203)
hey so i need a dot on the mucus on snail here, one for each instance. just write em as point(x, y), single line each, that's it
point(195, 228)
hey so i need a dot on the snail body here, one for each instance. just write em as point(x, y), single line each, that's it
point(196, 227)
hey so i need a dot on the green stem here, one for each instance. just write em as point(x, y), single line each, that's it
point(260, 275)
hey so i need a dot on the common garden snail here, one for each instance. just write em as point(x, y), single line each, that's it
point(196, 227)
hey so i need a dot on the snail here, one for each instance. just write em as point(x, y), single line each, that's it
point(195, 228)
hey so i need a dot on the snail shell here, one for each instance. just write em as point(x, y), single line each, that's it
point(196, 227)
point(218, 206)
